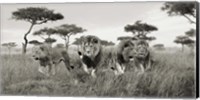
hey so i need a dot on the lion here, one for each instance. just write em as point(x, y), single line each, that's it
point(143, 58)
point(49, 58)
point(125, 55)
point(90, 54)
point(134, 55)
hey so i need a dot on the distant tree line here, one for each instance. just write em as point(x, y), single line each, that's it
point(139, 29)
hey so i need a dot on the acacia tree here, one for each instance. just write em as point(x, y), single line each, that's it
point(78, 40)
point(124, 38)
point(140, 30)
point(35, 42)
point(183, 40)
point(46, 34)
point(185, 9)
point(9, 45)
point(103, 42)
point(107, 43)
point(65, 31)
point(159, 46)
point(191, 33)
point(35, 16)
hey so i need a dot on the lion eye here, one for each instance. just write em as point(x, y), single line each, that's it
point(42, 48)
point(126, 45)
point(95, 41)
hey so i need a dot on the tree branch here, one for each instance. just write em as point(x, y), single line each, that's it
point(25, 36)
point(38, 23)
point(42, 37)
point(191, 21)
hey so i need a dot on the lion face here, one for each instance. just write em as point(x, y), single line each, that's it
point(91, 46)
point(40, 53)
point(142, 49)
point(126, 51)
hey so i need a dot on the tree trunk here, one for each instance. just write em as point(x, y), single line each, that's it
point(182, 47)
point(24, 45)
point(66, 43)
point(9, 49)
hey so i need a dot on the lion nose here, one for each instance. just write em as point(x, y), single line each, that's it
point(130, 56)
point(72, 67)
point(36, 58)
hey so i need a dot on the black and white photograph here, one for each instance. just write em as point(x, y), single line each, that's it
point(99, 49)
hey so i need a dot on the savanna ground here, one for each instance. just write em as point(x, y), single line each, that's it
point(171, 76)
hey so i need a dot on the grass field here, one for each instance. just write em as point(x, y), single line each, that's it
point(172, 76)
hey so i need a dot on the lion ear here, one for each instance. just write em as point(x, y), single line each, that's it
point(95, 41)
point(79, 53)
point(42, 48)
point(119, 56)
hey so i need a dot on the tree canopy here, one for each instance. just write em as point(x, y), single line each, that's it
point(9, 44)
point(185, 9)
point(103, 42)
point(35, 42)
point(140, 30)
point(50, 40)
point(191, 33)
point(35, 16)
point(124, 38)
point(45, 31)
point(159, 46)
point(183, 40)
point(45, 34)
point(65, 31)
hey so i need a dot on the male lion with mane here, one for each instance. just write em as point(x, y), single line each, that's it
point(143, 58)
point(90, 53)
point(134, 54)
point(125, 55)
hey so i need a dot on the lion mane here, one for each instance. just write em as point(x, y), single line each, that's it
point(90, 52)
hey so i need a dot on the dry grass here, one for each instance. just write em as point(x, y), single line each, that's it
point(172, 76)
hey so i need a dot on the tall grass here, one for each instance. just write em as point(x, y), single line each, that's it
point(171, 76)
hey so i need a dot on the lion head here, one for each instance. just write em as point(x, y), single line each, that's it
point(143, 57)
point(91, 46)
point(142, 49)
point(48, 59)
point(126, 51)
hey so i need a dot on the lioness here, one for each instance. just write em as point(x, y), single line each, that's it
point(49, 58)
point(90, 54)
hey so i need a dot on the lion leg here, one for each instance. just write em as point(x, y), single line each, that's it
point(54, 69)
point(48, 70)
point(85, 68)
point(41, 70)
point(93, 73)
point(148, 65)
point(120, 68)
point(142, 68)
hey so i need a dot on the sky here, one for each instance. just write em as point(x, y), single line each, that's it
point(105, 20)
